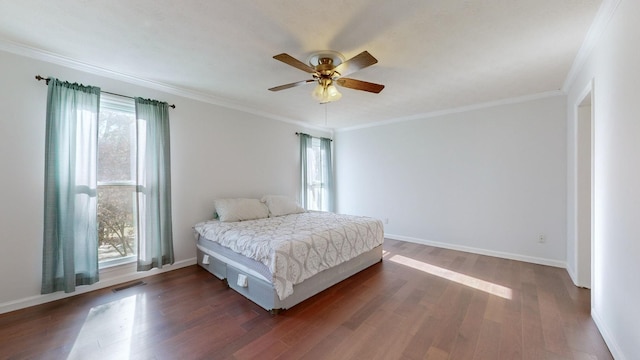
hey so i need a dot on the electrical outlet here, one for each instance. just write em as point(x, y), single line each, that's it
point(542, 238)
point(386, 220)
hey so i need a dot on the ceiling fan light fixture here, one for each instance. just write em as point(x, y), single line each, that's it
point(318, 92)
point(332, 93)
point(326, 92)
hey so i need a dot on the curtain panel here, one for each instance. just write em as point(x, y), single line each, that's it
point(155, 234)
point(305, 147)
point(70, 246)
point(327, 175)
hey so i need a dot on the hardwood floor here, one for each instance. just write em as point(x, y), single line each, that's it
point(420, 302)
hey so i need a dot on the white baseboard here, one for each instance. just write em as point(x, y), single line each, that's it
point(504, 255)
point(41, 299)
point(606, 335)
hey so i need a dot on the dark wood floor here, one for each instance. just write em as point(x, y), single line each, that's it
point(420, 302)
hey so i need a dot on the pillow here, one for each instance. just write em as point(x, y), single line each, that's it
point(281, 205)
point(229, 210)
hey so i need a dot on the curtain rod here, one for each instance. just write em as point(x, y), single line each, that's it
point(46, 80)
point(300, 133)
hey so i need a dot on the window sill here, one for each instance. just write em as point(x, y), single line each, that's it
point(116, 263)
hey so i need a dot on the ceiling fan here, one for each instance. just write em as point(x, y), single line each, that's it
point(328, 69)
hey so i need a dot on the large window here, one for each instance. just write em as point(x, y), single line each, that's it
point(116, 214)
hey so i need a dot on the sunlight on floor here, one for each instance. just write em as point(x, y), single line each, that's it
point(108, 329)
point(488, 287)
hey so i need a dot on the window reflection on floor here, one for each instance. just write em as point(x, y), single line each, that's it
point(108, 329)
point(482, 285)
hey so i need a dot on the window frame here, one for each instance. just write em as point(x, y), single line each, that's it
point(317, 187)
point(125, 105)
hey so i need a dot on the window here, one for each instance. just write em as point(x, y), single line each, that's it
point(315, 188)
point(116, 176)
point(317, 185)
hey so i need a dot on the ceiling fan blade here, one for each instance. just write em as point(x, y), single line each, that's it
point(359, 85)
point(356, 63)
point(287, 86)
point(290, 60)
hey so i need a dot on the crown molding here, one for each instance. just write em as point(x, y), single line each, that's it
point(490, 104)
point(49, 57)
point(603, 16)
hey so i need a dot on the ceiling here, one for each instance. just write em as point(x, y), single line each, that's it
point(434, 55)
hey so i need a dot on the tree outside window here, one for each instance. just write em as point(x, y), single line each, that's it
point(116, 182)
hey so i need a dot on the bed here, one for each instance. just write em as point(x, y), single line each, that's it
point(277, 255)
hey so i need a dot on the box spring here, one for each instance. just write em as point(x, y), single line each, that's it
point(260, 290)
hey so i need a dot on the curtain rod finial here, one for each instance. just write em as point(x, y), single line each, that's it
point(39, 78)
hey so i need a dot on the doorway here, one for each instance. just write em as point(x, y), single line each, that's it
point(584, 190)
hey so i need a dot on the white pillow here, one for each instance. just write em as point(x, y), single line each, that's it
point(229, 210)
point(281, 205)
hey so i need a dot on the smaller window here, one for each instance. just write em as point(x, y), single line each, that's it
point(317, 189)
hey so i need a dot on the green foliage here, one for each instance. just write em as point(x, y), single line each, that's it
point(116, 223)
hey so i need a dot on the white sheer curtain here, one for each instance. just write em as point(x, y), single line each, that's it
point(70, 246)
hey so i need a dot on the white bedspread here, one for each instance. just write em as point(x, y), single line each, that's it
point(297, 246)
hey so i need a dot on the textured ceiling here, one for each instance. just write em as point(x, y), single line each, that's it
point(433, 55)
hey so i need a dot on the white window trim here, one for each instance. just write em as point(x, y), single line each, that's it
point(116, 103)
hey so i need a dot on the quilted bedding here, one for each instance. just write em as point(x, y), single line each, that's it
point(297, 246)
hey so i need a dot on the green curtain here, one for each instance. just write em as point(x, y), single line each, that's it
point(305, 145)
point(70, 246)
point(155, 234)
point(327, 175)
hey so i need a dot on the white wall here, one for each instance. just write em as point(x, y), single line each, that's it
point(614, 68)
point(215, 152)
point(489, 180)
